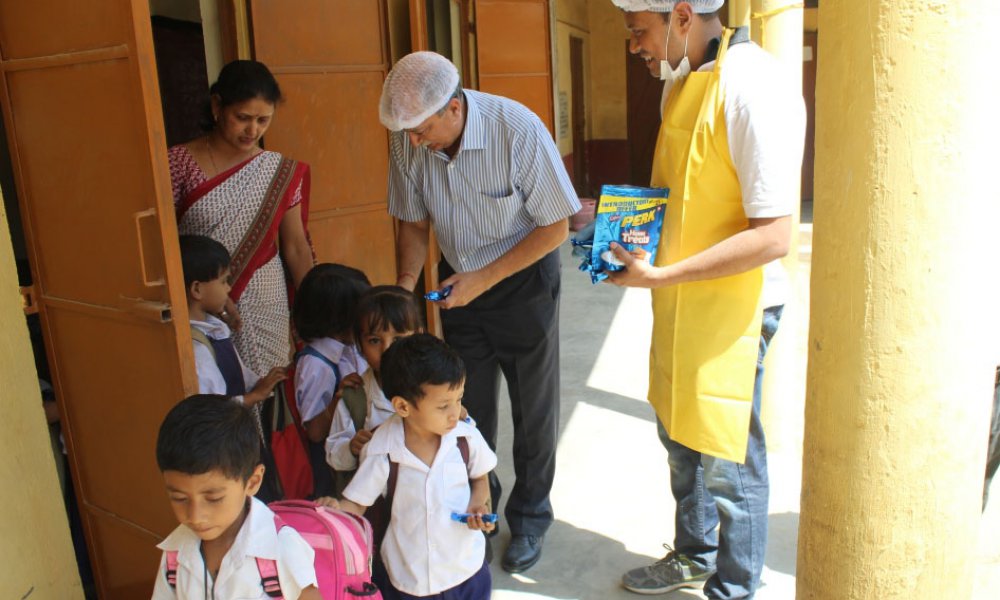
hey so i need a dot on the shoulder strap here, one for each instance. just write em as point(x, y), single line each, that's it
point(356, 402)
point(268, 569)
point(463, 448)
point(200, 337)
point(171, 572)
point(316, 353)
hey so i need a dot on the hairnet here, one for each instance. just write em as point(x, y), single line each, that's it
point(418, 86)
point(699, 6)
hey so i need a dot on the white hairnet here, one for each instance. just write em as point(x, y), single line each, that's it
point(418, 86)
point(699, 6)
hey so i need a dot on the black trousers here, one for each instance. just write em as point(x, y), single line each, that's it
point(514, 329)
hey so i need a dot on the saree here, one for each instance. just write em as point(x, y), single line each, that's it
point(242, 208)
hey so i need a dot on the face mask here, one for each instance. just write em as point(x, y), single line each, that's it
point(669, 75)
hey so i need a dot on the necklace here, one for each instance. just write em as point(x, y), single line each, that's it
point(211, 156)
point(204, 563)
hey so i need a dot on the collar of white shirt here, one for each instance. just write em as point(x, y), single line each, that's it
point(390, 439)
point(473, 137)
point(213, 327)
point(330, 348)
point(258, 538)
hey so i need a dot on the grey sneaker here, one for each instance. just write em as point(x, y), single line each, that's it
point(672, 572)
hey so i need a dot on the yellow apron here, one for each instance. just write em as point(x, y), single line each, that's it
point(706, 334)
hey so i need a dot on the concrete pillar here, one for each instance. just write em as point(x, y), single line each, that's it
point(36, 553)
point(903, 330)
point(777, 26)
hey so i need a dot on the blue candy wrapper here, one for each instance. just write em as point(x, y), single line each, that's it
point(464, 517)
point(438, 295)
point(630, 216)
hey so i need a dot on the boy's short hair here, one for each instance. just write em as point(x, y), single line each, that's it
point(418, 360)
point(206, 433)
point(327, 300)
point(202, 258)
point(388, 306)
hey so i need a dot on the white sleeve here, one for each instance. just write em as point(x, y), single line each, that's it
point(338, 443)
point(314, 387)
point(296, 570)
point(370, 481)
point(765, 122)
point(210, 379)
point(162, 589)
point(482, 460)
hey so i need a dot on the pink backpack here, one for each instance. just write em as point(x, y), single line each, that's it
point(342, 542)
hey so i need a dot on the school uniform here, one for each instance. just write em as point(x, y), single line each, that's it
point(220, 369)
point(238, 575)
point(320, 368)
point(342, 430)
point(424, 551)
point(315, 378)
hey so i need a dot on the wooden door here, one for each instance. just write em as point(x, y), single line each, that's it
point(330, 58)
point(809, 63)
point(514, 53)
point(643, 94)
point(82, 114)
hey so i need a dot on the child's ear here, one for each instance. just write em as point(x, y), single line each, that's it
point(195, 290)
point(255, 480)
point(402, 407)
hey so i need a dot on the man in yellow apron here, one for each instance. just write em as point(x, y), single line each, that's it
point(729, 148)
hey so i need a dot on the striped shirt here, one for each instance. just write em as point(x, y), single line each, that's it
point(506, 179)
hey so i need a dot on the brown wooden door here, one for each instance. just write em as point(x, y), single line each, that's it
point(330, 58)
point(82, 114)
point(809, 63)
point(643, 94)
point(514, 53)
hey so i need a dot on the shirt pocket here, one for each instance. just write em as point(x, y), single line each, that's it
point(497, 218)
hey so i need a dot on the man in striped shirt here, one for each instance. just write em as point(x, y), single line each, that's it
point(483, 171)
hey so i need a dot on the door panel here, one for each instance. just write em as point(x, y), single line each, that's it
point(514, 53)
point(67, 27)
point(340, 132)
point(330, 58)
point(39, 97)
point(318, 32)
point(82, 115)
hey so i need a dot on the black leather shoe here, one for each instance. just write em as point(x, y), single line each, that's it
point(523, 552)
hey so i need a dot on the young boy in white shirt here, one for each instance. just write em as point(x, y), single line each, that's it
point(227, 544)
point(416, 460)
point(220, 370)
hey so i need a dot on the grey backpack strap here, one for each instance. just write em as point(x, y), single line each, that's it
point(200, 337)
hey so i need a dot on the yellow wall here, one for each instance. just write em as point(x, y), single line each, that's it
point(35, 551)
point(602, 29)
point(571, 21)
point(608, 109)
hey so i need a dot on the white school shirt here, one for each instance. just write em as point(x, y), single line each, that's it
point(766, 127)
point(424, 550)
point(239, 578)
point(342, 431)
point(210, 379)
point(315, 381)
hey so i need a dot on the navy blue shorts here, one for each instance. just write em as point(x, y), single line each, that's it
point(477, 587)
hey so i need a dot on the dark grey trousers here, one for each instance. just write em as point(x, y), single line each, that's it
point(514, 329)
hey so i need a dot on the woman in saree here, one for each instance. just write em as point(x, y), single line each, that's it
point(254, 202)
